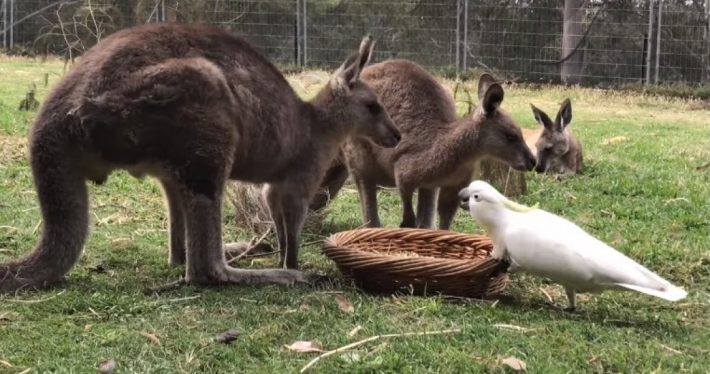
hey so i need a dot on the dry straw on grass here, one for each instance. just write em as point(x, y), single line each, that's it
point(252, 211)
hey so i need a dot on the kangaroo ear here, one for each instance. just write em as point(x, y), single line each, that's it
point(492, 98)
point(564, 116)
point(366, 47)
point(348, 72)
point(542, 118)
point(484, 82)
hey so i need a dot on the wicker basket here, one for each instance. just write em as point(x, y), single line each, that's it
point(419, 261)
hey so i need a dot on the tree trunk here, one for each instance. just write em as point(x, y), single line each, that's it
point(501, 176)
point(571, 67)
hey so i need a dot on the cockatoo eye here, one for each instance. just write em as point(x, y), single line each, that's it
point(475, 197)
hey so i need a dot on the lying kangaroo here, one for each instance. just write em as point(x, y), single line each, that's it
point(437, 149)
point(558, 150)
point(192, 106)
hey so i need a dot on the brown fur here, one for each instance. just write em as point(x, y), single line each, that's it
point(558, 151)
point(192, 106)
point(437, 149)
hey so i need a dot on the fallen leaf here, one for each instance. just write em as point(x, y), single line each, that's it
point(228, 336)
point(302, 346)
point(6, 364)
point(515, 364)
point(344, 304)
point(88, 328)
point(354, 331)
point(513, 327)
point(615, 139)
point(5, 317)
point(703, 167)
point(153, 339)
point(107, 366)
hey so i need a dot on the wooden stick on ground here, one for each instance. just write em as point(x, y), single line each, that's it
point(252, 244)
point(373, 338)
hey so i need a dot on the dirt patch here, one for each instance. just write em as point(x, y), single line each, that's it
point(12, 148)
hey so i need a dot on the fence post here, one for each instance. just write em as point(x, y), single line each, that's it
point(12, 24)
point(4, 24)
point(464, 50)
point(301, 34)
point(649, 48)
point(658, 39)
point(461, 35)
point(706, 38)
point(458, 36)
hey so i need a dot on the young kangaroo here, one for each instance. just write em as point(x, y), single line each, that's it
point(193, 106)
point(558, 150)
point(437, 149)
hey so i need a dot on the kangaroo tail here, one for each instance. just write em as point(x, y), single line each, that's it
point(61, 190)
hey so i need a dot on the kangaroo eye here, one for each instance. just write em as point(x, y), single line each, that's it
point(374, 108)
point(511, 137)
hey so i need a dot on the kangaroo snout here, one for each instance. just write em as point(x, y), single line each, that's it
point(530, 162)
point(525, 162)
point(391, 139)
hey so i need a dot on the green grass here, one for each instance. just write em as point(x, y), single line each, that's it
point(641, 193)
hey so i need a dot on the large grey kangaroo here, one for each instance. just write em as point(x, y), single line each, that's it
point(192, 106)
point(437, 149)
point(558, 151)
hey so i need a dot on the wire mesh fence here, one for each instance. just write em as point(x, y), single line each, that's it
point(570, 41)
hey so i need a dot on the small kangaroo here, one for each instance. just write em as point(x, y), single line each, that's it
point(192, 106)
point(558, 150)
point(437, 149)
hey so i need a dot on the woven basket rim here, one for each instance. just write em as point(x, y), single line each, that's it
point(472, 273)
point(335, 249)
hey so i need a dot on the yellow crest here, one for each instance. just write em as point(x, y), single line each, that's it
point(520, 208)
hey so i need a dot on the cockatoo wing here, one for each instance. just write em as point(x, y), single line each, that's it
point(552, 246)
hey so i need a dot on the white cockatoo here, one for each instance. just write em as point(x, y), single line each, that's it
point(541, 243)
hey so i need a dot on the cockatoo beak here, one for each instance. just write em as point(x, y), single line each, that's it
point(464, 195)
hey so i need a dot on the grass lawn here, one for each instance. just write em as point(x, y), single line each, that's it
point(641, 193)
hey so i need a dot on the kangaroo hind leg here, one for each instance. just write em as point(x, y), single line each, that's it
point(426, 207)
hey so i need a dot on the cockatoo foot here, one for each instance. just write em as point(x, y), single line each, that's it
point(502, 268)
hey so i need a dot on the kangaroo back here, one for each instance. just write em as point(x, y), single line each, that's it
point(192, 106)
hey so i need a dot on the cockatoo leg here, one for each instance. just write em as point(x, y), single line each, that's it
point(502, 267)
point(571, 299)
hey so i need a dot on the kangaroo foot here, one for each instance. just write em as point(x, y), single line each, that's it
point(237, 249)
point(226, 274)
